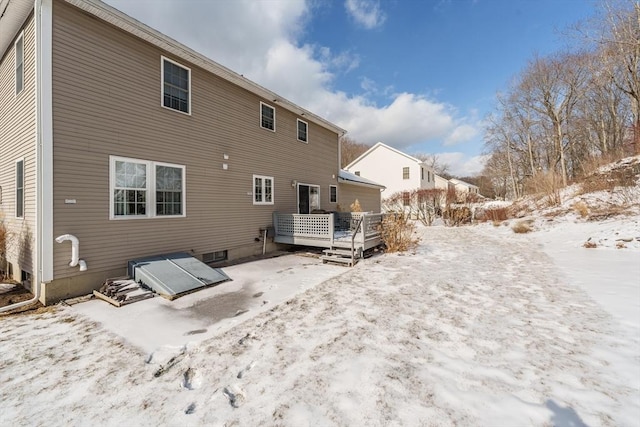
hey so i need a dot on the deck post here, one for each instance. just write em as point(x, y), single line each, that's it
point(275, 223)
point(331, 228)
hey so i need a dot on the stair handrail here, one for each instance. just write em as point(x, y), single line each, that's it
point(353, 238)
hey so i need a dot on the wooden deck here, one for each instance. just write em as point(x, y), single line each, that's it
point(354, 232)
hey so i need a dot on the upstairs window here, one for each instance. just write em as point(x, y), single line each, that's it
point(144, 189)
point(19, 46)
point(302, 130)
point(20, 189)
point(262, 190)
point(176, 86)
point(405, 173)
point(333, 194)
point(267, 117)
point(422, 173)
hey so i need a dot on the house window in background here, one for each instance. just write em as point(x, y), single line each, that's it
point(406, 198)
point(405, 173)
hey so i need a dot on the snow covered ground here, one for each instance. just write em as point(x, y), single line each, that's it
point(479, 326)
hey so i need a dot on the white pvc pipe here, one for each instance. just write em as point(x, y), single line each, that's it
point(75, 247)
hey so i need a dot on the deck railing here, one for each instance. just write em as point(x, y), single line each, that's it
point(323, 227)
point(311, 226)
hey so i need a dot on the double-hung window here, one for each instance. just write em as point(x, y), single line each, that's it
point(406, 198)
point(19, 48)
point(262, 190)
point(405, 173)
point(333, 194)
point(302, 131)
point(267, 117)
point(176, 86)
point(20, 188)
point(145, 189)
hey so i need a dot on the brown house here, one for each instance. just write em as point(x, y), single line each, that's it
point(135, 145)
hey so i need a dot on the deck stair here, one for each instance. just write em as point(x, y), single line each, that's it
point(346, 235)
point(340, 255)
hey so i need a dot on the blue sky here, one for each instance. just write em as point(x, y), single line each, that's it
point(419, 75)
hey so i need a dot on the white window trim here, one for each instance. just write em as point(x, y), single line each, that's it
point(15, 64)
point(151, 188)
point(162, 59)
point(298, 132)
point(274, 117)
point(15, 179)
point(408, 169)
point(336, 187)
point(253, 189)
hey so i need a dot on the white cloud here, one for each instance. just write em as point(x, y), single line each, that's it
point(462, 133)
point(462, 165)
point(366, 12)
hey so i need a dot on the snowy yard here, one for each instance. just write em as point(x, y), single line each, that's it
point(478, 327)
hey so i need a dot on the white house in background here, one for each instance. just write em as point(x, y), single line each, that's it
point(463, 188)
point(443, 183)
point(397, 171)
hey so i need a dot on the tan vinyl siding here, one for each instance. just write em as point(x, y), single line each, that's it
point(369, 198)
point(17, 141)
point(107, 101)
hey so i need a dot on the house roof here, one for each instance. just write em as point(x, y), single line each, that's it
point(460, 182)
point(382, 145)
point(13, 14)
point(350, 178)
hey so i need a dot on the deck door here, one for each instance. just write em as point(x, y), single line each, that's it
point(308, 198)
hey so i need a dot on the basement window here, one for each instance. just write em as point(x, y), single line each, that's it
point(217, 256)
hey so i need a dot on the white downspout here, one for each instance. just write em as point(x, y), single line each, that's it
point(36, 278)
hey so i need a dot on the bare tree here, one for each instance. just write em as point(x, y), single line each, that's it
point(615, 37)
point(434, 162)
point(350, 150)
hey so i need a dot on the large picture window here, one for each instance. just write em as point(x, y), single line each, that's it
point(20, 188)
point(176, 86)
point(19, 47)
point(143, 189)
point(262, 190)
point(267, 116)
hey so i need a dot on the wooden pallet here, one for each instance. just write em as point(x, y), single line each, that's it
point(122, 291)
